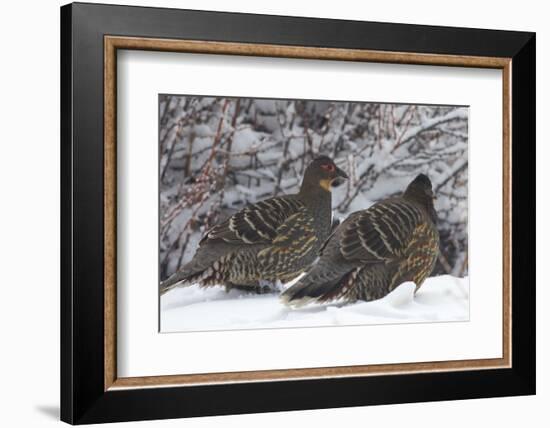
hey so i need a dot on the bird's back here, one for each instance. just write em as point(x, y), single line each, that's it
point(372, 252)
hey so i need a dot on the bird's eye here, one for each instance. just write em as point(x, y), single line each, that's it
point(328, 167)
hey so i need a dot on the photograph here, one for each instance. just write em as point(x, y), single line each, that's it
point(285, 213)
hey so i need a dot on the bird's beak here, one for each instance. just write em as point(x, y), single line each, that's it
point(341, 173)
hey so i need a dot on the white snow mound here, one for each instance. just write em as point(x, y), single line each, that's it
point(440, 299)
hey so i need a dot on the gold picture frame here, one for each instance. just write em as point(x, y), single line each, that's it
point(114, 43)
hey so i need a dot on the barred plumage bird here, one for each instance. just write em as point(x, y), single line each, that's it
point(375, 250)
point(273, 240)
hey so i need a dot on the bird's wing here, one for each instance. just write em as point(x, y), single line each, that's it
point(256, 224)
point(295, 238)
point(380, 233)
point(336, 234)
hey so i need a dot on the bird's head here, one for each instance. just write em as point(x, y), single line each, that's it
point(420, 190)
point(322, 172)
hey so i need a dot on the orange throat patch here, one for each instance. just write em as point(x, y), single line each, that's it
point(326, 184)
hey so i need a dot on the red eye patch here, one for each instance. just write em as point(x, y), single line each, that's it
point(328, 167)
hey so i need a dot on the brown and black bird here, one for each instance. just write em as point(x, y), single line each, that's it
point(375, 250)
point(273, 240)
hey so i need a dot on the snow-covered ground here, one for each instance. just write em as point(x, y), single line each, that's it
point(442, 298)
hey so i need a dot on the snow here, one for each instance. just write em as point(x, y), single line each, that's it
point(442, 298)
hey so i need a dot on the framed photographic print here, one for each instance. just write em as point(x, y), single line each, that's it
point(265, 213)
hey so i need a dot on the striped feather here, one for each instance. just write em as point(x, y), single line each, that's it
point(381, 232)
point(257, 223)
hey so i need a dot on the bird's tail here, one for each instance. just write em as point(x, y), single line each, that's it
point(202, 268)
point(179, 279)
point(187, 275)
point(365, 283)
point(319, 285)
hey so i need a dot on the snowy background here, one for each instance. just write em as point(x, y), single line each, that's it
point(218, 155)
